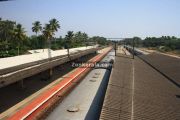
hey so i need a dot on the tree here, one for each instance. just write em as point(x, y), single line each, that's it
point(54, 25)
point(37, 28)
point(49, 31)
point(85, 38)
point(6, 30)
point(99, 40)
point(19, 35)
point(78, 38)
point(137, 41)
point(68, 39)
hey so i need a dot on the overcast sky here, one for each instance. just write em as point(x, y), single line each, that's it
point(108, 18)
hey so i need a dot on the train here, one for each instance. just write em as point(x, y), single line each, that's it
point(86, 100)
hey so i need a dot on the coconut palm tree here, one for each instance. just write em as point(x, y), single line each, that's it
point(36, 28)
point(69, 38)
point(47, 32)
point(54, 28)
point(54, 25)
point(19, 35)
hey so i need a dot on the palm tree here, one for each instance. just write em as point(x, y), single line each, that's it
point(47, 32)
point(36, 28)
point(68, 39)
point(19, 35)
point(54, 25)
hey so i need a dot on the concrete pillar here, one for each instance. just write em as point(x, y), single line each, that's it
point(50, 72)
point(22, 84)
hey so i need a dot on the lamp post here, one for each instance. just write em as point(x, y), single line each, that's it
point(49, 57)
point(49, 50)
point(115, 48)
point(133, 48)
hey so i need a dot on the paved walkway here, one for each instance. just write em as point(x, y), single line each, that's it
point(138, 92)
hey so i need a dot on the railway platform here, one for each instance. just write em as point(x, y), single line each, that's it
point(136, 91)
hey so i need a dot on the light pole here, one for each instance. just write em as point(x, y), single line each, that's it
point(133, 48)
point(49, 50)
point(115, 48)
point(49, 58)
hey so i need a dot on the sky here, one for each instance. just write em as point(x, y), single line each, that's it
point(107, 18)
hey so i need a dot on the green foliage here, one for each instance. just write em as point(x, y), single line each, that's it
point(164, 43)
point(12, 36)
point(14, 41)
point(69, 39)
point(36, 27)
point(170, 43)
point(99, 40)
point(54, 25)
point(129, 41)
point(80, 39)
